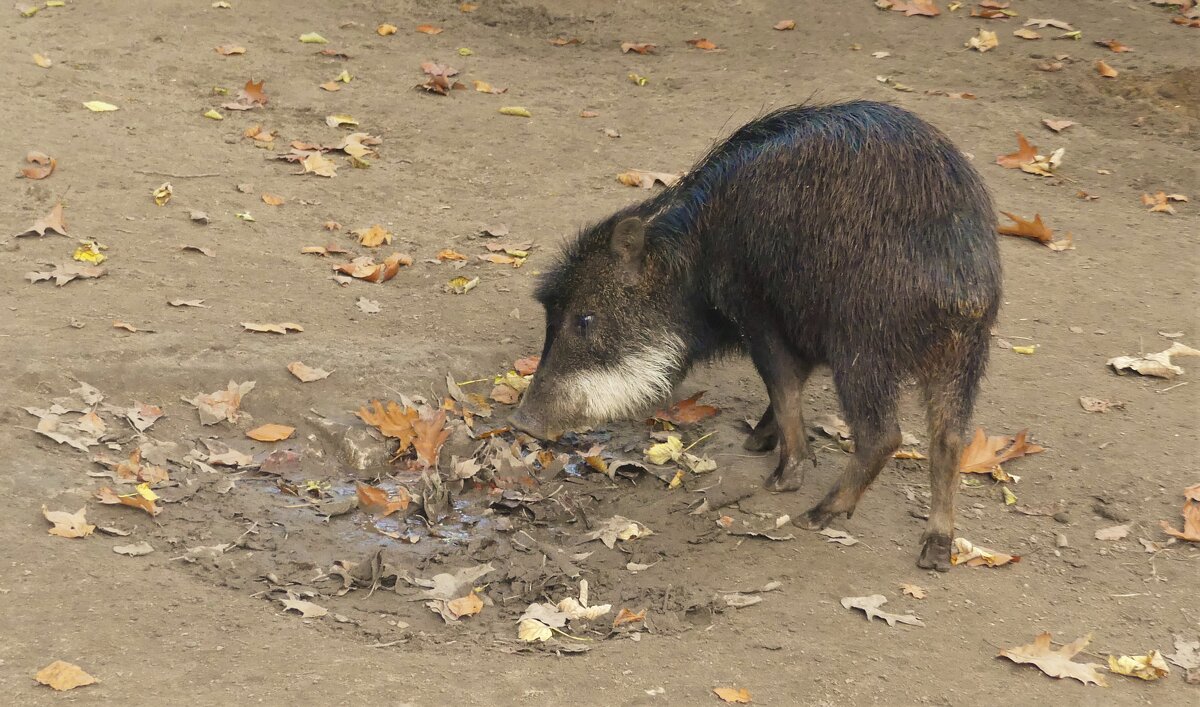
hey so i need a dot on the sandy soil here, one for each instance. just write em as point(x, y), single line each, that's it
point(213, 631)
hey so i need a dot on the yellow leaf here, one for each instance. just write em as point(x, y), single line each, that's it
point(469, 605)
point(244, 215)
point(272, 199)
point(163, 194)
point(68, 525)
point(334, 121)
point(1027, 350)
point(62, 675)
point(665, 451)
point(533, 630)
point(99, 106)
point(677, 480)
point(271, 432)
point(89, 252)
point(1056, 663)
point(55, 3)
point(517, 111)
point(313, 38)
point(385, 29)
point(1010, 498)
point(213, 114)
point(42, 61)
point(145, 492)
point(465, 51)
point(319, 165)
point(344, 77)
point(964, 552)
point(983, 41)
point(374, 236)
point(28, 11)
point(639, 80)
point(222, 5)
point(462, 285)
point(1146, 667)
point(739, 695)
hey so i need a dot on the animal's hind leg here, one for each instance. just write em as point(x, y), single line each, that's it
point(868, 397)
point(784, 374)
point(949, 393)
point(765, 434)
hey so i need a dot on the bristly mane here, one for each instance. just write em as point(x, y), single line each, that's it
point(672, 213)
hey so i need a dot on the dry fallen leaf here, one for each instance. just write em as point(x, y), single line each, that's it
point(646, 180)
point(1158, 364)
point(385, 29)
point(625, 616)
point(66, 272)
point(870, 606)
point(1024, 33)
point(307, 609)
point(963, 552)
point(271, 432)
point(687, 411)
point(282, 328)
point(365, 267)
point(68, 525)
point(1056, 663)
point(640, 48)
point(52, 221)
point(984, 454)
point(319, 165)
point(1105, 70)
point(1057, 125)
point(913, 591)
point(230, 49)
point(516, 111)
point(307, 374)
point(485, 87)
point(618, 528)
point(62, 675)
point(784, 25)
point(450, 254)
point(563, 41)
point(1097, 405)
point(468, 605)
point(1191, 517)
point(527, 365)
point(1160, 202)
point(43, 61)
point(733, 695)
point(429, 29)
point(1043, 24)
point(428, 437)
point(1113, 45)
point(1146, 667)
point(222, 404)
point(983, 41)
point(1116, 532)
point(40, 165)
point(1025, 153)
point(374, 236)
point(272, 199)
point(375, 500)
point(391, 421)
point(702, 44)
point(135, 500)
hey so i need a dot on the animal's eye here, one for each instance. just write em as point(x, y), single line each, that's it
point(585, 323)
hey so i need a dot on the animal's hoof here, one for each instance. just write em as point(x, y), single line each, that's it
point(786, 477)
point(816, 518)
point(756, 442)
point(935, 553)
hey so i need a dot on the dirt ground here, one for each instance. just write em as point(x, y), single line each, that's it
point(213, 631)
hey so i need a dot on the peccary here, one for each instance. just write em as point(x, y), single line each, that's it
point(852, 235)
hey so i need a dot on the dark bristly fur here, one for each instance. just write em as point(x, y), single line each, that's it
point(852, 235)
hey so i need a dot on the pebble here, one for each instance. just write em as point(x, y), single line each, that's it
point(1060, 540)
point(1062, 517)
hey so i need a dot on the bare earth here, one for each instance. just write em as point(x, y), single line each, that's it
point(157, 628)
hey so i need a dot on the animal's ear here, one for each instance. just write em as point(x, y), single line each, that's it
point(629, 242)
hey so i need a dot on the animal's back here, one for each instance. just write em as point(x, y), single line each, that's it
point(858, 224)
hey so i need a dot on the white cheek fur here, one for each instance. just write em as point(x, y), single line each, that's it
point(630, 386)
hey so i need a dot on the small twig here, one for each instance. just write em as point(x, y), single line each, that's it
point(693, 444)
point(1173, 387)
point(172, 175)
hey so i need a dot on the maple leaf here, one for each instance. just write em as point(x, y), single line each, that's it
point(1191, 517)
point(68, 525)
point(391, 421)
point(222, 404)
point(870, 606)
point(1056, 663)
point(374, 236)
point(687, 411)
point(375, 500)
point(1025, 154)
point(430, 435)
point(1034, 229)
point(52, 221)
point(136, 500)
point(625, 616)
point(985, 454)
